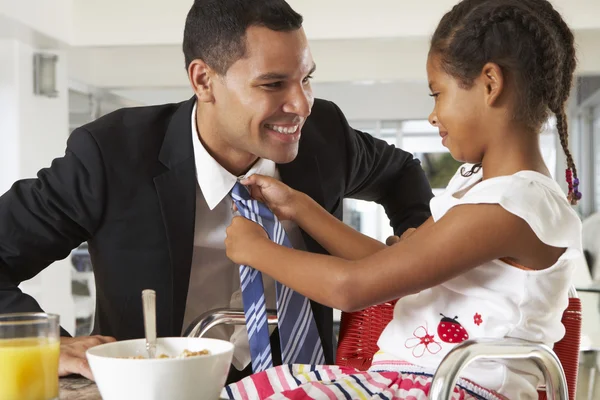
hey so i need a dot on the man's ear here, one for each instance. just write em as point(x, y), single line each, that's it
point(201, 77)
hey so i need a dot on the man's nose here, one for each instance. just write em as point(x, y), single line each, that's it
point(299, 102)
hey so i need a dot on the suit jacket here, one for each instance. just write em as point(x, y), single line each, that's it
point(127, 186)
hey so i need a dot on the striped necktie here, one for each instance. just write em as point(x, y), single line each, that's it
point(299, 337)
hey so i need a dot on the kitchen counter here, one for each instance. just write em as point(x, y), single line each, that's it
point(78, 388)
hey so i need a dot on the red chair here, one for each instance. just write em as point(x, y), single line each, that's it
point(359, 332)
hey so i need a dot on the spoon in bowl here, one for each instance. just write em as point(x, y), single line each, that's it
point(149, 304)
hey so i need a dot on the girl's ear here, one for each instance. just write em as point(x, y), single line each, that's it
point(493, 80)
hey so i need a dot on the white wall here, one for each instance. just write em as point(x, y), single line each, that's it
point(9, 111)
point(53, 18)
point(35, 130)
point(152, 22)
point(126, 22)
point(44, 122)
point(158, 22)
point(588, 50)
point(379, 101)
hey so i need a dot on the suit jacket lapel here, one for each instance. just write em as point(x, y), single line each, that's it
point(176, 190)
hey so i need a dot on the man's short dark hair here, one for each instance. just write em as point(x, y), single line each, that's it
point(215, 30)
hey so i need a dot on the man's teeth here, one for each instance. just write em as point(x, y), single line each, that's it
point(282, 129)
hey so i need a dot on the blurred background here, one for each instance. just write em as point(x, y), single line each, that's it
point(64, 63)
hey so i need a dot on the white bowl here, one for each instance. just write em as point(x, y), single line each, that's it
point(198, 377)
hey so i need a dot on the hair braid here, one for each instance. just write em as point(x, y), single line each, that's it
point(572, 179)
point(549, 55)
point(566, 38)
point(568, 65)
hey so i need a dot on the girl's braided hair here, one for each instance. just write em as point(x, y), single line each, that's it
point(532, 44)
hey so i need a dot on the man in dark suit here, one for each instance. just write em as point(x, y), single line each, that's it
point(148, 187)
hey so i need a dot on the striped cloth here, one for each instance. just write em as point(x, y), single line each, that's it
point(383, 381)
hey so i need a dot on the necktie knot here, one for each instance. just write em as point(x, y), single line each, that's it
point(240, 191)
point(255, 211)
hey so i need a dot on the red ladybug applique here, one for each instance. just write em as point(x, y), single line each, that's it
point(451, 331)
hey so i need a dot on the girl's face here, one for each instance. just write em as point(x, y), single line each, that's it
point(458, 113)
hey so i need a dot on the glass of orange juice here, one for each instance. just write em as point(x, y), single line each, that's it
point(29, 350)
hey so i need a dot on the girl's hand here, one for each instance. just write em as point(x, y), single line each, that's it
point(395, 239)
point(279, 197)
point(242, 238)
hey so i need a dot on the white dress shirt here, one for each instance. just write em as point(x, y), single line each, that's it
point(214, 279)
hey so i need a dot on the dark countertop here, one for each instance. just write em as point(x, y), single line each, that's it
point(78, 388)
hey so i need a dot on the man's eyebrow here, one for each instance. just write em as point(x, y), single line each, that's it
point(276, 76)
point(272, 76)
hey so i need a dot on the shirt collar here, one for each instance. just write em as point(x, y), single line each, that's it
point(215, 181)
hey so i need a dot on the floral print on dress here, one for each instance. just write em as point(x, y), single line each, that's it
point(422, 342)
point(477, 320)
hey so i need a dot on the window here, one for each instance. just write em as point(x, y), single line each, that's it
point(368, 217)
point(596, 144)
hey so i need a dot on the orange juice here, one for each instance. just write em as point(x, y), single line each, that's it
point(29, 369)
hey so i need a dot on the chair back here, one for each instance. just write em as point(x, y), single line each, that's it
point(567, 350)
point(360, 331)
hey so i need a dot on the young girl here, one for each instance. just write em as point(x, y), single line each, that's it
point(495, 260)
